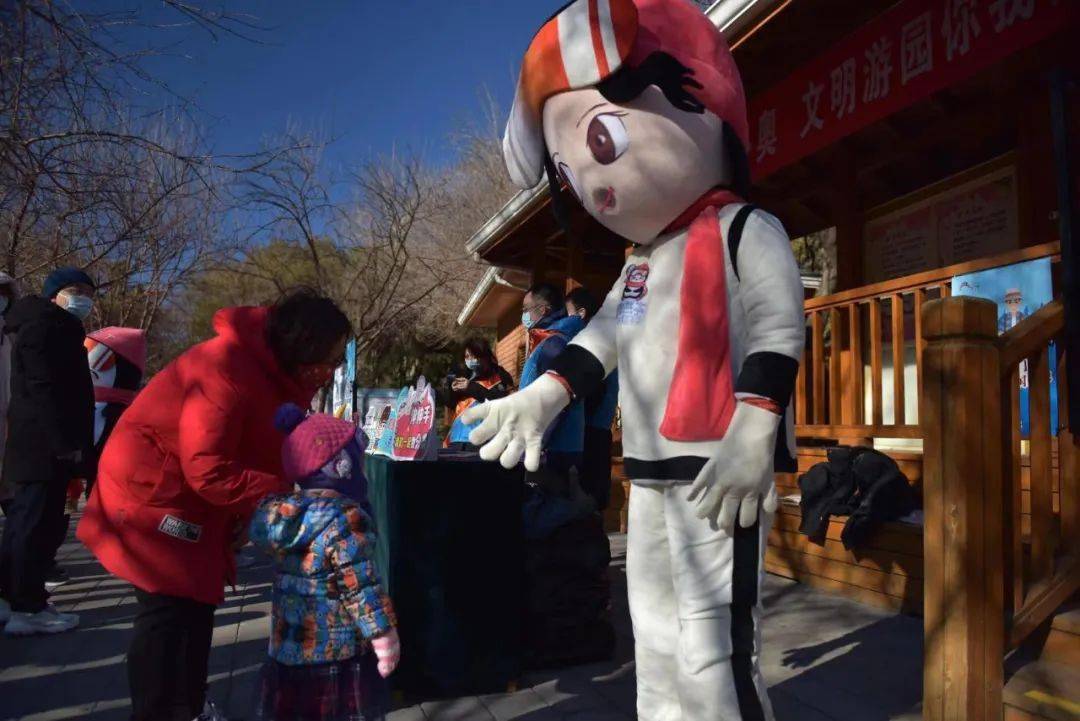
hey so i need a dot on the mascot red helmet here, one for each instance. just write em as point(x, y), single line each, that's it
point(590, 40)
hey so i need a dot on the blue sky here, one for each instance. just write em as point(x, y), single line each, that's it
point(372, 73)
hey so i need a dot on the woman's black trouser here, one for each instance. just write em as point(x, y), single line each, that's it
point(168, 657)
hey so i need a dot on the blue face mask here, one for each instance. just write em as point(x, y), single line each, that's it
point(472, 364)
point(78, 305)
point(527, 320)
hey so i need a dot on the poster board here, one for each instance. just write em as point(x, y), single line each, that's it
point(972, 216)
point(1018, 290)
point(344, 384)
point(388, 420)
point(414, 432)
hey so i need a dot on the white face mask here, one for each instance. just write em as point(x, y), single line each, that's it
point(78, 305)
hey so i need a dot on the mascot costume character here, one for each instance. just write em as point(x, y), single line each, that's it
point(637, 107)
point(117, 358)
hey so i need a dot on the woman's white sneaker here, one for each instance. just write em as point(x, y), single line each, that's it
point(45, 621)
point(72, 618)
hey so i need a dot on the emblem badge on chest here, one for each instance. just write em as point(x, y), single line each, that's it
point(635, 287)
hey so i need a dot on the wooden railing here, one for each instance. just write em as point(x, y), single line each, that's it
point(855, 330)
point(988, 584)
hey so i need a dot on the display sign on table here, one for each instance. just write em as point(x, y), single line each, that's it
point(414, 437)
point(405, 428)
point(1019, 290)
point(343, 389)
point(385, 446)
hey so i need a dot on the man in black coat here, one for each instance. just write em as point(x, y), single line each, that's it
point(50, 441)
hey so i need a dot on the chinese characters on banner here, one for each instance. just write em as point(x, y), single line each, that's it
point(911, 51)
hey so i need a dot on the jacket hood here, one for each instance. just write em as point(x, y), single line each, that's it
point(291, 523)
point(552, 317)
point(34, 308)
point(568, 325)
point(246, 326)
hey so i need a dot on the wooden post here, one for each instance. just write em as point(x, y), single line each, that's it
point(963, 591)
point(1068, 468)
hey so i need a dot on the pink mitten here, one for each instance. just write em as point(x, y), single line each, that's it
point(388, 651)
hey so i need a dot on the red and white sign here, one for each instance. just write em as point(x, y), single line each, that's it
point(909, 52)
point(415, 426)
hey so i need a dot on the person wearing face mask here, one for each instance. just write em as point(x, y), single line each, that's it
point(549, 330)
point(50, 436)
point(182, 473)
point(487, 380)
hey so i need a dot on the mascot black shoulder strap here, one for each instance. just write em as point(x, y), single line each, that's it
point(734, 235)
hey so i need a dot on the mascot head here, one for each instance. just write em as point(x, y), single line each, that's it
point(117, 357)
point(636, 105)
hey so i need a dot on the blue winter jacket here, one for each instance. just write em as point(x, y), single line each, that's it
point(567, 435)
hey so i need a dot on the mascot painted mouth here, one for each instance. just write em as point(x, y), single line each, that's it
point(637, 106)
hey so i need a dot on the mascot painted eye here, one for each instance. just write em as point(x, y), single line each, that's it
point(607, 137)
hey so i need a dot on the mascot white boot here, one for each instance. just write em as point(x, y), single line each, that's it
point(637, 106)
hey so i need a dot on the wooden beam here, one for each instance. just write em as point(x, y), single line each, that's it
point(853, 388)
point(876, 403)
point(817, 367)
point(1042, 487)
point(898, 358)
point(836, 334)
point(1068, 466)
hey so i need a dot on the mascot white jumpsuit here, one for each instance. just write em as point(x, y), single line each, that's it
point(637, 106)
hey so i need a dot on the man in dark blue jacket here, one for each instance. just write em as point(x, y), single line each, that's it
point(550, 329)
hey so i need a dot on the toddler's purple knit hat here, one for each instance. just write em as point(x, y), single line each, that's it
point(310, 441)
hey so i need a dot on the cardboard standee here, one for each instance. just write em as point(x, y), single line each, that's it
point(385, 446)
point(406, 430)
point(414, 437)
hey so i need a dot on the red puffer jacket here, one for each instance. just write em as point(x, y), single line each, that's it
point(188, 462)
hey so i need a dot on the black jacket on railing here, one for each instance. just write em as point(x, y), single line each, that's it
point(51, 414)
point(861, 483)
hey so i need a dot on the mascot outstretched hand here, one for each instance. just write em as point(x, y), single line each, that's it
point(637, 107)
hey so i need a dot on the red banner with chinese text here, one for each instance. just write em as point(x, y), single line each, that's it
point(909, 52)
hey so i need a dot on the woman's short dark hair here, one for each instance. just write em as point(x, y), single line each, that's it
point(305, 328)
point(583, 298)
point(479, 348)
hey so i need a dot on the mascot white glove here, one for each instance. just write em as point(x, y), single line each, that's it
point(735, 479)
point(517, 422)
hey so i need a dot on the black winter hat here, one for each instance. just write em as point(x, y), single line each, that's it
point(63, 277)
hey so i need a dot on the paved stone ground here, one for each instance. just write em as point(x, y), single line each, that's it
point(826, 659)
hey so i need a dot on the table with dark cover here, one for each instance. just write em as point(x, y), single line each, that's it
point(450, 551)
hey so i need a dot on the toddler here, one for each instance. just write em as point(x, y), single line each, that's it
point(333, 640)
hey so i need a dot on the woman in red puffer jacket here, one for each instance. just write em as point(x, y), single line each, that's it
point(182, 472)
